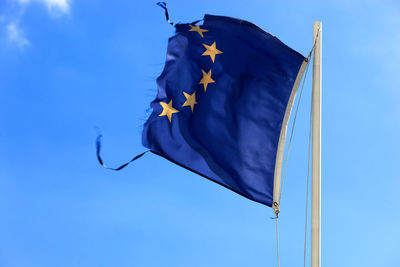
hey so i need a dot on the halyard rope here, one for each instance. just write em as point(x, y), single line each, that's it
point(287, 154)
point(308, 163)
point(308, 159)
point(308, 182)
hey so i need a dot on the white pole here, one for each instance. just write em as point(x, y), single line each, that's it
point(316, 150)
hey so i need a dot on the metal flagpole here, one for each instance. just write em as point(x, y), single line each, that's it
point(316, 149)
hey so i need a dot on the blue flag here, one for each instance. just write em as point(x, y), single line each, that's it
point(221, 102)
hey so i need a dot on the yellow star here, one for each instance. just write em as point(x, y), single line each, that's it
point(206, 79)
point(211, 51)
point(190, 100)
point(168, 110)
point(197, 29)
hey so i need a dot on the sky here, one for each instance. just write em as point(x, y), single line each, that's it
point(68, 68)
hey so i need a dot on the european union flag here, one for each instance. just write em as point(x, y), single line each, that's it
point(222, 103)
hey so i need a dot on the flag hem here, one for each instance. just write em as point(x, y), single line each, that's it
point(282, 137)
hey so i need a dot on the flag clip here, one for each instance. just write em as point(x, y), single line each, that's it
point(275, 206)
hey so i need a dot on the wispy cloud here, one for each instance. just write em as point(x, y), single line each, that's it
point(61, 5)
point(11, 19)
point(15, 35)
point(58, 6)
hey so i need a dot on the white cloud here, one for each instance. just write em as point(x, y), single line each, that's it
point(59, 6)
point(16, 36)
point(14, 33)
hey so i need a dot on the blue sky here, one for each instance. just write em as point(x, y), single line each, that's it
point(67, 67)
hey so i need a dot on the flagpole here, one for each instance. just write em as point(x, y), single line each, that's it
point(316, 149)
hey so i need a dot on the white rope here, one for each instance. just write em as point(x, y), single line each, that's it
point(307, 190)
point(277, 240)
point(308, 164)
point(287, 154)
point(286, 161)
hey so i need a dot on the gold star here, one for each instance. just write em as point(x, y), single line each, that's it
point(168, 110)
point(211, 51)
point(206, 79)
point(190, 100)
point(197, 29)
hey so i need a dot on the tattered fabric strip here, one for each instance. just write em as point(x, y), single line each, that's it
point(98, 148)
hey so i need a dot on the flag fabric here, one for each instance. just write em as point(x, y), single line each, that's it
point(221, 101)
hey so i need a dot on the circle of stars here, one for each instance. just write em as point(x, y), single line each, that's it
point(212, 51)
